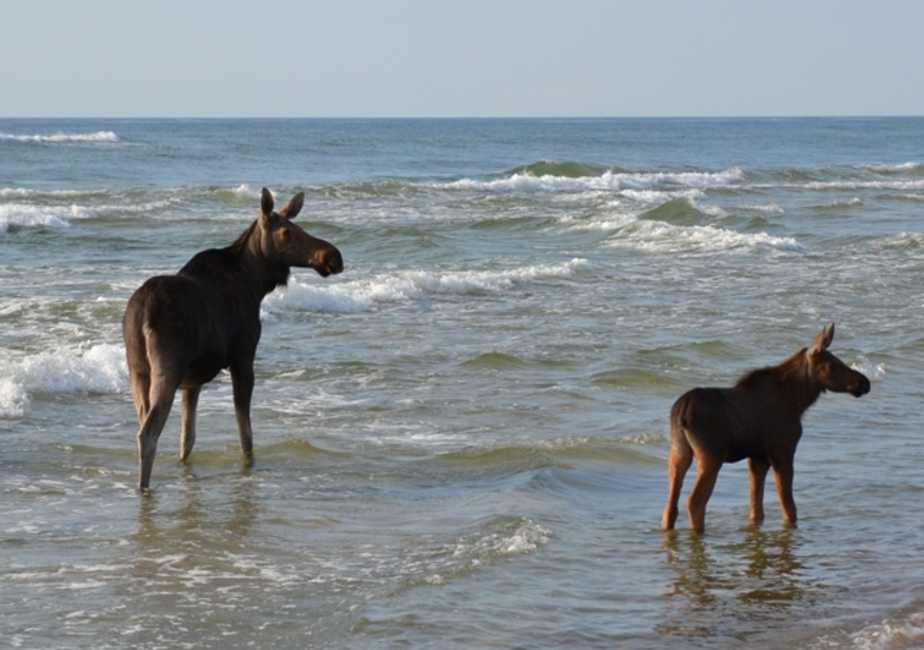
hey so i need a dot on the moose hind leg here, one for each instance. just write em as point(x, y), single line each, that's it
point(151, 428)
point(188, 430)
point(706, 475)
point(677, 465)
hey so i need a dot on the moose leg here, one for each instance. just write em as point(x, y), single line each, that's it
point(151, 428)
point(188, 431)
point(783, 473)
point(758, 469)
point(677, 465)
point(242, 380)
point(707, 473)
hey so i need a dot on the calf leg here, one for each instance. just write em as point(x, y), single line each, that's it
point(783, 473)
point(758, 469)
point(188, 432)
point(707, 471)
point(242, 380)
point(677, 465)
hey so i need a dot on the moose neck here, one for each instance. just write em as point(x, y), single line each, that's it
point(259, 272)
point(797, 383)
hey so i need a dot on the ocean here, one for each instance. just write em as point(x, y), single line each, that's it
point(461, 441)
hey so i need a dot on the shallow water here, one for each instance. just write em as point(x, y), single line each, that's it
point(461, 440)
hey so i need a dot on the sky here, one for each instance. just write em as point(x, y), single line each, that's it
point(460, 58)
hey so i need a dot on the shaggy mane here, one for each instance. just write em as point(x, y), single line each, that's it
point(777, 373)
point(241, 242)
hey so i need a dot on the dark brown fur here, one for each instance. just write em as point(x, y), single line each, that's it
point(181, 330)
point(758, 419)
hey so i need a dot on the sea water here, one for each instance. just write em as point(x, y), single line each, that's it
point(461, 441)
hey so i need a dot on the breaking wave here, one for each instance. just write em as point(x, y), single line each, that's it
point(406, 286)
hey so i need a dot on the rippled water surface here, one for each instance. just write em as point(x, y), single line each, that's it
point(461, 440)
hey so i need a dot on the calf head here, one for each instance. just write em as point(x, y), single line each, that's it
point(286, 244)
point(829, 371)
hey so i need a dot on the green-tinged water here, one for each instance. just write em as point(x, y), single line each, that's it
point(461, 441)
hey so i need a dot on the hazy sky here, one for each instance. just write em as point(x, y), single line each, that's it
point(409, 58)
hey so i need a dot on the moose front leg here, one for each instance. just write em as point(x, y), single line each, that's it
point(707, 472)
point(188, 427)
point(783, 473)
point(242, 381)
point(758, 471)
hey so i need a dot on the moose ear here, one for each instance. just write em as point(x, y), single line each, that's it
point(823, 340)
point(266, 203)
point(294, 206)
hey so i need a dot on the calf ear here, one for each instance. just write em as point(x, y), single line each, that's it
point(294, 206)
point(266, 203)
point(823, 340)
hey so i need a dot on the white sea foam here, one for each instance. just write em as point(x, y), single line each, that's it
point(405, 286)
point(868, 368)
point(99, 369)
point(767, 208)
point(13, 398)
point(660, 237)
point(21, 215)
point(657, 197)
point(62, 138)
point(904, 632)
point(651, 235)
point(244, 190)
point(26, 192)
point(469, 552)
point(611, 181)
point(900, 186)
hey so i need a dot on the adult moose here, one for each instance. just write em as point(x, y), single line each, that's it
point(758, 419)
point(181, 330)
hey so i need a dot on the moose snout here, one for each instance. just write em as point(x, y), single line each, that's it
point(328, 262)
point(860, 387)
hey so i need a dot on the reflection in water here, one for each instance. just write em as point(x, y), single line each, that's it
point(741, 590)
point(193, 516)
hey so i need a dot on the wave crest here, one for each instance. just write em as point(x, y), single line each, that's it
point(369, 294)
point(96, 137)
point(564, 177)
point(20, 215)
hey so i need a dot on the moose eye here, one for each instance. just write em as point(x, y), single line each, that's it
point(285, 235)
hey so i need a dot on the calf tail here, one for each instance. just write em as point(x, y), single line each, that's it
point(134, 335)
point(680, 421)
point(681, 457)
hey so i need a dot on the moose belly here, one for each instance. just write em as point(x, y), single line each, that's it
point(203, 371)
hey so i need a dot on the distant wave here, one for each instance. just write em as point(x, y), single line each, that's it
point(62, 138)
point(661, 237)
point(566, 169)
point(910, 167)
point(562, 177)
point(861, 185)
point(368, 295)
